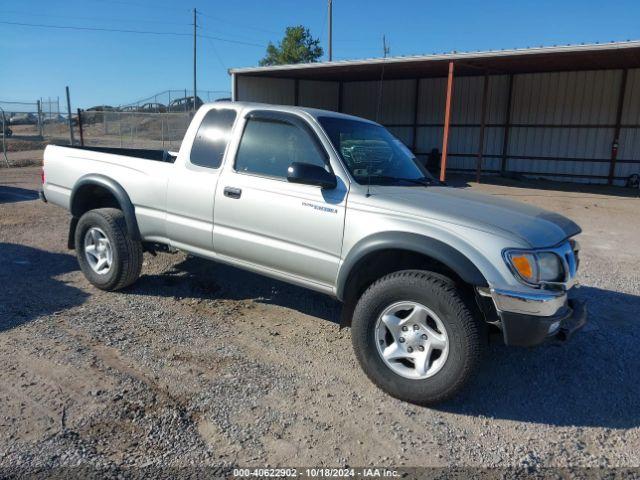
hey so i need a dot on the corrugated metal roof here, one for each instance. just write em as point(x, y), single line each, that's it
point(594, 56)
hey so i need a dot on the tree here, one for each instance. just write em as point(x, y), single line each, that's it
point(297, 46)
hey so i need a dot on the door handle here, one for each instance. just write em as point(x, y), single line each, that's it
point(232, 192)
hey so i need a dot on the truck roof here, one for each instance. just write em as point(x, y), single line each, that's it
point(313, 112)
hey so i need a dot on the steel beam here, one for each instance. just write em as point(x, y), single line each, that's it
point(447, 118)
point(483, 116)
point(507, 125)
point(416, 100)
point(616, 132)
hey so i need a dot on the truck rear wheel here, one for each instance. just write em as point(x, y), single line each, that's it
point(108, 257)
point(415, 337)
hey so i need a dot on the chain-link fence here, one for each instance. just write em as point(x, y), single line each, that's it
point(156, 122)
point(133, 129)
point(27, 127)
point(174, 101)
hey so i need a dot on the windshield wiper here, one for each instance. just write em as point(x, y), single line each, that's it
point(423, 181)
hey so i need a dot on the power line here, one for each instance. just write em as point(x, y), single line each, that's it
point(128, 3)
point(94, 29)
point(238, 25)
point(99, 19)
point(217, 54)
point(122, 30)
point(220, 39)
point(210, 28)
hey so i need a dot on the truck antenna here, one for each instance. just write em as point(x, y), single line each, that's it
point(385, 52)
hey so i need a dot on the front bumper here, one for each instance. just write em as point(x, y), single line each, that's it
point(528, 319)
point(528, 330)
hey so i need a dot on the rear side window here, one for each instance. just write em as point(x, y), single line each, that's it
point(212, 138)
point(269, 146)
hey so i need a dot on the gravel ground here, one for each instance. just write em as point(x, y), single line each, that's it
point(203, 364)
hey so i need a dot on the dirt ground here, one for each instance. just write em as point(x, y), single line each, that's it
point(203, 364)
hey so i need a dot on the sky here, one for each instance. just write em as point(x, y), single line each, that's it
point(105, 67)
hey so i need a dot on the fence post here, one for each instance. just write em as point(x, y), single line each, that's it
point(71, 139)
point(80, 128)
point(162, 131)
point(4, 145)
point(120, 127)
point(40, 126)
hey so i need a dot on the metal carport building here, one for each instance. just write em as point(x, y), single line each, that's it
point(563, 113)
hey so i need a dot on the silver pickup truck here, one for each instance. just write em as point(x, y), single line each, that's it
point(336, 204)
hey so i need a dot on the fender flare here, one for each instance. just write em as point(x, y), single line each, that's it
point(413, 242)
point(120, 194)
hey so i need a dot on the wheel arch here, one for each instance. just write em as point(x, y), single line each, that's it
point(384, 253)
point(93, 191)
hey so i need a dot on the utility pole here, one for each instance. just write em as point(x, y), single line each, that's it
point(195, 56)
point(330, 15)
point(385, 48)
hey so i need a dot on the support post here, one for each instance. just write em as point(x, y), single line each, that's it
point(296, 92)
point(71, 139)
point(616, 132)
point(483, 119)
point(80, 128)
point(416, 100)
point(447, 119)
point(340, 95)
point(507, 127)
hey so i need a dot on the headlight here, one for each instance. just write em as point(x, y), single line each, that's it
point(535, 267)
point(549, 267)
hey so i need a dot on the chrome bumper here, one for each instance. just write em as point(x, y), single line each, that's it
point(542, 304)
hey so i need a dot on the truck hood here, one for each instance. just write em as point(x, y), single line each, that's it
point(536, 227)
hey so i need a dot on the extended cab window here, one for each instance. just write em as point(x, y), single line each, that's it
point(212, 138)
point(269, 146)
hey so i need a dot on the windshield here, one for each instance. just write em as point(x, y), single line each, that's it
point(372, 155)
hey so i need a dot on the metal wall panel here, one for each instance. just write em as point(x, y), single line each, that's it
point(433, 92)
point(397, 106)
point(571, 116)
point(628, 153)
point(556, 118)
point(360, 99)
point(316, 94)
point(405, 134)
point(279, 91)
point(629, 149)
point(631, 110)
point(566, 98)
point(466, 108)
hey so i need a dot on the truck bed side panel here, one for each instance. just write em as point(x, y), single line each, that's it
point(144, 180)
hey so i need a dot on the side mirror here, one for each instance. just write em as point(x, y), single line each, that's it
point(309, 174)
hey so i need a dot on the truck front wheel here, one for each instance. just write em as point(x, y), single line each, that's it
point(415, 337)
point(108, 257)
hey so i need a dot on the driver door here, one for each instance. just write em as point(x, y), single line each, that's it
point(263, 220)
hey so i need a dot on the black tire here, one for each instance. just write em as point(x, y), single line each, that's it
point(127, 253)
point(466, 335)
